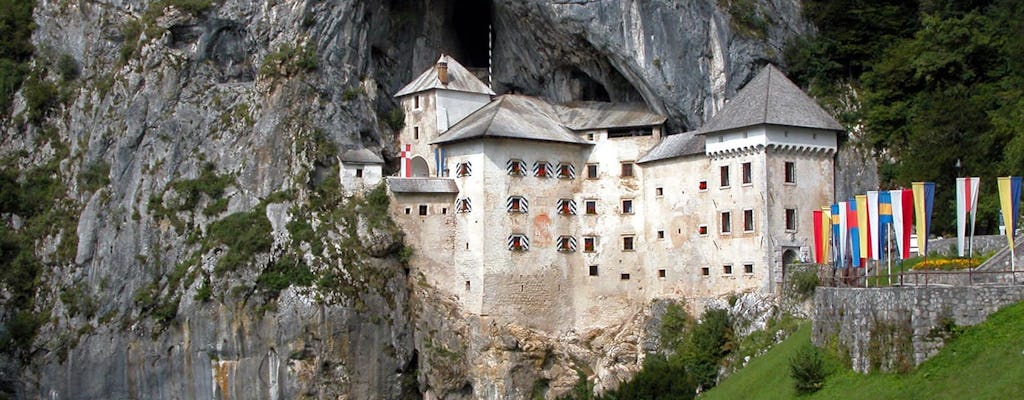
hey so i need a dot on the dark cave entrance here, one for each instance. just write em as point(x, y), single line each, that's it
point(470, 23)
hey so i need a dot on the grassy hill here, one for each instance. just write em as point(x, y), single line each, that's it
point(985, 361)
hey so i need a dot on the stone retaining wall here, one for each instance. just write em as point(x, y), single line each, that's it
point(897, 328)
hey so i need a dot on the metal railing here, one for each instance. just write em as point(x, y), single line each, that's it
point(857, 277)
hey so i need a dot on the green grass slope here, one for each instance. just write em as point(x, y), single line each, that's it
point(985, 362)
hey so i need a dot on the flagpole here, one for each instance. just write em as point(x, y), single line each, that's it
point(888, 252)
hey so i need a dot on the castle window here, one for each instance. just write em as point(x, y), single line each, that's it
point(566, 171)
point(516, 167)
point(630, 132)
point(590, 136)
point(724, 176)
point(408, 211)
point(748, 220)
point(518, 242)
point(627, 170)
point(463, 206)
point(566, 243)
point(359, 172)
point(705, 271)
point(593, 270)
point(628, 243)
point(463, 169)
point(517, 204)
point(627, 206)
point(702, 230)
point(661, 235)
point(416, 102)
point(589, 244)
point(444, 210)
point(658, 192)
point(591, 171)
point(791, 219)
point(727, 269)
point(566, 206)
point(423, 209)
point(747, 179)
point(790, 172)
point(416, 133)
point(591, 206)
point(726, 222)
point(702, 186)
point(624, 277)
point(542, 169)
point(748, 268)
point(661, 273)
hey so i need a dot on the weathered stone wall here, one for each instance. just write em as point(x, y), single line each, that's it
point(897, 328)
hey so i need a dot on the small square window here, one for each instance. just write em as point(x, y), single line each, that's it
point(515, 167)
point(702, 230)
point(590, 137)
point(591, 206)
point(724, 176)
point(627, 206)
point(661, 273)
point(467, 286)
point(659, 191)
point(791, 219)
point(593, 270)
point(627, 243)
point(748, 220)
point(726, 222)
point(408, 211)
point(589, 244)
point(624, 277)
point(661, 234)
point(790, 173)
point(444, 210)
point(748, 268)
point(359, 172)
point(423, 209)
point(627, 170)
point(747, 179)
point(727, 269)
point(591, 171)
point(702, 186)
point(705, 271)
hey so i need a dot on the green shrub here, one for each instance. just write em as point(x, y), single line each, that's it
point(807, 368)
point(40, 97)
point(286, 271)
point(660, 378)
point(709, 342)
point(12, 74)
point(396, 118)
point(801, 281)
point(245, 233)
point(674, 326)
point(352, 93)
point(131, 31)
point(67, 68)
point(289, 60)
point(94, 176)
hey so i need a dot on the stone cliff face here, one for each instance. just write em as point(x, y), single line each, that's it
point(215, 258)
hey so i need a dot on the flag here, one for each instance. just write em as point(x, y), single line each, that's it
point(826, 230)
point(838, 234)
point(863, 224)
point(406, 165)
point(924, 196)
point(1009, 202)
point(966, 207)
point(818, 236)
point(854, 232)
point(903, 219)
point(873, 229)
point(885, 220)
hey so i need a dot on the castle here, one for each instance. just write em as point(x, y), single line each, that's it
point(572, 216)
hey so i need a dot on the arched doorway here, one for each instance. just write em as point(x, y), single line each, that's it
point(789, 257)
point(420, 168)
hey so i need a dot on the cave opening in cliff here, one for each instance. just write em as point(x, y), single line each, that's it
point(470, 21)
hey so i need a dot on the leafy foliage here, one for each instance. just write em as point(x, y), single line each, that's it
point(245, 234)
point(289, 60)
point(16, 26)
point(807, 369)
point(800, 282)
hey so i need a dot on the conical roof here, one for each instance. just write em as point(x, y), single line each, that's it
point(459, 79)
point(771, 98)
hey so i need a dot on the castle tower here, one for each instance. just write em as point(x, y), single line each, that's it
point(441, 96)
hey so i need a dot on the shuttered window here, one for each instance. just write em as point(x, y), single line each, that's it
point(567, 206)
point(518, 242)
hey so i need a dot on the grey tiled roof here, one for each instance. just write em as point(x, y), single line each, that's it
point(586, 115)
point(512, 116)
point(459, 79)
point(678, 145)
point(771, 98)
point(361, 156)
point(422, 185)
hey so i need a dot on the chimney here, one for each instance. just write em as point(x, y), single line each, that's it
point(442, 72)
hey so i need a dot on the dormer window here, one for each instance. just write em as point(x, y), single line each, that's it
point(566, 171)
point(517, 204)
point(463, 206)
point(567, 206)
point(542, 169)
point(516, 167)
point(518, 242)
point(463, 169)
point(566, 243)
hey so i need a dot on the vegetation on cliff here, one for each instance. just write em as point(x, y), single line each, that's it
point(935, 87)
